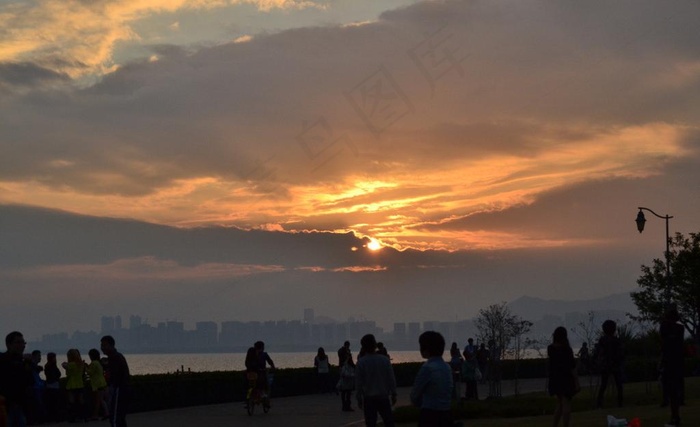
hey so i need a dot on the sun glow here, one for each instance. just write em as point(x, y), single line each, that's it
point(374, 245)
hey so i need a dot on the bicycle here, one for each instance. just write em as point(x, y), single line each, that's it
point(256, 396)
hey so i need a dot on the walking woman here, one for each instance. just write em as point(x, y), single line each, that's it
point(563, 380)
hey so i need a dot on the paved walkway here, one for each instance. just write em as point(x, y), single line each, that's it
point(298, 411)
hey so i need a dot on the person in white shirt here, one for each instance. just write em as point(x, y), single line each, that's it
point(375, 383)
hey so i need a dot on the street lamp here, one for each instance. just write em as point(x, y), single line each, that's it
point(640, 226)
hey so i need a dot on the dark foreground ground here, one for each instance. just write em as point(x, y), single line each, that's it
point(299, 411)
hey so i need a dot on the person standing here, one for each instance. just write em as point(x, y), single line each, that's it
point(98, 385)
point(53, 388)
point(609, 355)
point(347, 384)
point(470, 347)
point(482, 359)
point(323, 369)
point(470, 377)
point(16, 379)
point(382, 350)
point(37, 412)
point(75, 385)
point(563, 381)
point(456, 365)
point(375, 383)
point(584, 358)
point(672, 362)
point(343, 353)
point(119, 382)
point(432, 389)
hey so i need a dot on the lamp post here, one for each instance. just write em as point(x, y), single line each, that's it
point(640, 226)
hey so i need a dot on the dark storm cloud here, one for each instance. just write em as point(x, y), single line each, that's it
point(28, 74)
point(36, 237)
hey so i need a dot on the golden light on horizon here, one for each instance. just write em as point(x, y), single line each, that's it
point(374, 245)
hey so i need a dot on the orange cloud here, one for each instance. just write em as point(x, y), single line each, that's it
point(390, 209)
point(78, 37)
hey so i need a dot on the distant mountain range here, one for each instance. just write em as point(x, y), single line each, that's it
point(532, 308)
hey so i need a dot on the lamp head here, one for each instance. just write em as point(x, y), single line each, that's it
point(640, 221)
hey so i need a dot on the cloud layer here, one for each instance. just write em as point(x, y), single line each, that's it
point(493, 145)
point(436, 111)
point(78, 37)
point(56, 263)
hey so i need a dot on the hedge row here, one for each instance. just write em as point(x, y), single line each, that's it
point(163, 391)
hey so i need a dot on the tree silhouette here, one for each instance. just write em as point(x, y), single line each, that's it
point(684, 289)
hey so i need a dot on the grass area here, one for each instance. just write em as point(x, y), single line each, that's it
point(536, 409)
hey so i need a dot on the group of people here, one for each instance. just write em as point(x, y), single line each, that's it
point(563, 380)
point(26, 398)
point(473, 365)
point(347, 382)
point(23, 394)
point(374, 384)
point(371, 379)
point(608, 358)
point(434, 385)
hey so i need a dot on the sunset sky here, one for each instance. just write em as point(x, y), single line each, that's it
point(232, 159)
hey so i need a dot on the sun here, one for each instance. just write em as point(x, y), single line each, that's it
point(374, 245)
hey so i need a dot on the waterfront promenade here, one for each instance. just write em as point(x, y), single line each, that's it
point(299, 411)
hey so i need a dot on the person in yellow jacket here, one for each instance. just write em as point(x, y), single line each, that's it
point(75, 385)
point(98, 385)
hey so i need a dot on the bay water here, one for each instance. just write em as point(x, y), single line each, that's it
point(143, 364)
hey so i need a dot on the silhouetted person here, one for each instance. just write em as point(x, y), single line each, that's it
point(37, 411)
point(15, 379)
point(343, 353)
point(251, 369)
point(482, 359)
point(347, 384)
point(263, 377)
point(251, 360)
point(75, 385)
point(382, 350)
point(432, 389)
point(584, 358)
point(323, 369)
point(609, 355)
point(375, 384)
point(470, 377)
point(563, 381)
point(119, 382)
point(470, 347)
point(456, 365)
point(672, 362)
point(98, 386)
point(53, 389)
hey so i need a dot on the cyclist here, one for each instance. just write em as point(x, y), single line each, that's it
point(251, 360)
point(263, 359)
point(251, 368)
